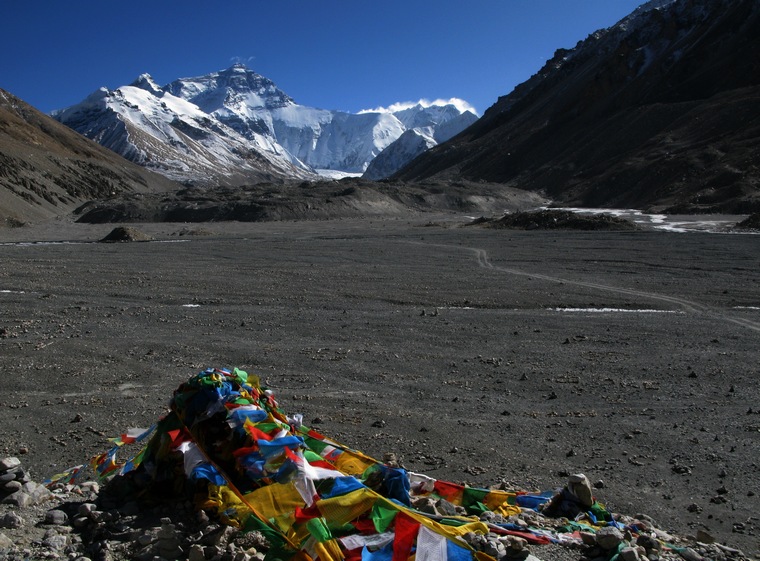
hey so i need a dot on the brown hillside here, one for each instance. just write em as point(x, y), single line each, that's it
point(46, 169)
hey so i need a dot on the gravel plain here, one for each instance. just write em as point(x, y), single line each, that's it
point(478, 356)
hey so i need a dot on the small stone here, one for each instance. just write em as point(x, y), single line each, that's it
point(426, 505)
point(80, 522)
point(516, 543)
point(5, 542)
point(704, 537)
point(56, 517)
point(579, 485)
point(86, 509)
point(19, 499)
point(55, 541)
point(12, 486)
point(38, 493)
point(495, 549)
point(588, 538)
point(213, 551)
point(648, 543)
point(167, 532)
point(145, 539)
point(90, 487)
point(446, 508)
point(629, 554)
point(218, 537)
point(694, 507)
point(12, 475)
point(196, 553)
point(9, 463)
point(690, 555)
point(608, 538)
point(662, 535)
point(11, 520)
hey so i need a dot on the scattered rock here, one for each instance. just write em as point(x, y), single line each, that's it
point(556, 220)
point(11, 520)
point(750, 223)
point(7, 464)
point(126, 234)
point(56, 517)
point(704, 536)
point(609, 538)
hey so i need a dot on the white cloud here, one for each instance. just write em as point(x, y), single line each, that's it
point(245, 61)
point(460, 104)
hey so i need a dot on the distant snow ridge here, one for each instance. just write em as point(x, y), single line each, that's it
point(236, 126)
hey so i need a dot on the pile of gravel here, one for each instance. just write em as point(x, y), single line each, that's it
point(556, 220)
point(86, 522)
point(126, 234)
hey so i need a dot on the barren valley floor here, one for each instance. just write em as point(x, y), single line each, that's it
point(476, 356)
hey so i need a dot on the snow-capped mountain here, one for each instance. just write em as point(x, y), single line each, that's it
point(156, 129)
point(408, 146)
point(429, 126)
point(236, 126)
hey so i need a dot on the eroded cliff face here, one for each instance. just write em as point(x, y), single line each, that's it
point(658, 111)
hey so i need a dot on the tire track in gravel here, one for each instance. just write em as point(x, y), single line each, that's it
point(690, 306)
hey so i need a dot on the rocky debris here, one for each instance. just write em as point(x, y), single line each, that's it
point(79, 522)
point(347, 198)
point(16, 487)
point(555, 220)
point(750, 223)
point(126, 234)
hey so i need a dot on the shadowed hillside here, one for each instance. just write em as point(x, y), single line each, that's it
point(659, 112)
point(46, 169)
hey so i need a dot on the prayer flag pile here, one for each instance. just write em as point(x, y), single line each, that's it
point(226, 443)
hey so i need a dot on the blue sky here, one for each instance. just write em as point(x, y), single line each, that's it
point(332, 54)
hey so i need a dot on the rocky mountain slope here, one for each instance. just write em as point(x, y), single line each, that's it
point(658, 111)
point(46, 169)
point(320, 200)
point(235, 126)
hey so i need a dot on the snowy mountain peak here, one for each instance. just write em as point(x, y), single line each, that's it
point(237, 85)
point(145, 82)
point(216, 124)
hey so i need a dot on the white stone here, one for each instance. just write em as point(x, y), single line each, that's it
point(9, 463)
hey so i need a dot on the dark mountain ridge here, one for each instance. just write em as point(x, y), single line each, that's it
point(659, 111)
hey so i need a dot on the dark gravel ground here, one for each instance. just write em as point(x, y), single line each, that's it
point(445, 345)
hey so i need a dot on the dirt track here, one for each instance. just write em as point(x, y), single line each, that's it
point(474, 355)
